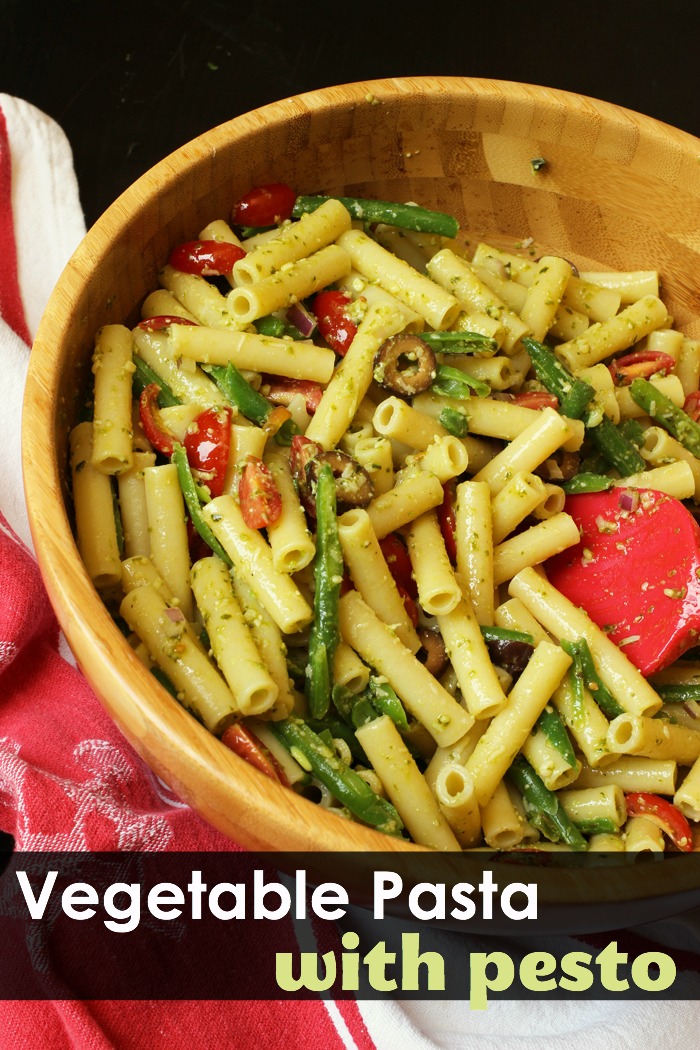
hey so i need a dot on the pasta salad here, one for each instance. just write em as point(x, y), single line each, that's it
point(376, 504)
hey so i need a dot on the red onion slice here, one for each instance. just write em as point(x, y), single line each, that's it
point(629, 499)
point(302, 319)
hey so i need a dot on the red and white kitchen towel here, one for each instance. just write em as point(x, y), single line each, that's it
point(69, 780)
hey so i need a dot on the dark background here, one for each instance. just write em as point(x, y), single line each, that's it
point(130, 81)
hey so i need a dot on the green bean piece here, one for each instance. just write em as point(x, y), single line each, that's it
point(459, 342)
point(343, 700)
point(667, 415)
point(342, 781)
point(161, 677)
point(505, 634)
point(385, 700)
point(586, 482)
point(453, 382)
point(551, 724)
point(454, 422)
point(577, 679)
point(277, 327)
point(405, 216)
point(543, 808)
point(251, 231)
point(341, 731)
point(582, 656)
point(679, 692)
point(296, 668)
point(617, 449)
point(194, 507)
point(574, 395)
point(324, 734)
point(118, 527)
point(363, 711)
point(328, 576)
point(144, 375)
point(238, 391)
point(597, 826)
point(633, 431)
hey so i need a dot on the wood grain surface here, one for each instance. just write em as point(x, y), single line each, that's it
point(619, 190)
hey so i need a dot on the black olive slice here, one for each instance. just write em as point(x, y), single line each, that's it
point(512, 656)
point(433, 652)
point(405, 365)
point(353, 485)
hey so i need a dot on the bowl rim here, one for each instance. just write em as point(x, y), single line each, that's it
point(85, 620)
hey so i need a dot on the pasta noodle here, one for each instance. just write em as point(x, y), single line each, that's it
point(325, 503)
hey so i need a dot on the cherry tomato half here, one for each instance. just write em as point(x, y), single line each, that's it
point(265, 205)
point(334, 325)
point(640, 364)
point(260, 500)
point(409, 604)
point(447, 519)
point(664, 814)
point(691, 405)
point(246, 745)
point(536, 399)
point(282, 390)
point(161, 321)
point(399, 563)
point(205, 258)
point(207, 443)
point(159, 437)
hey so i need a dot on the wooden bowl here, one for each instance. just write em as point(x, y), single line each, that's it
point(618, 191)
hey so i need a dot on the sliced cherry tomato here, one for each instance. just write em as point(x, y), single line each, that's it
point(246, 745)
point(206, 258)
point(197, 547)
point(691, 405)
point(276, 419)
point(301, 451)
point(208, 443)
point(409, 604)
point(535, 399)
point(448, 526)
point(160, 438)
point(261, 502)
point(640, 363)
point(665, 815)
point(157, 324)
point(399, 563)
point(334, 325)
point(265, 205)
point(282, 390)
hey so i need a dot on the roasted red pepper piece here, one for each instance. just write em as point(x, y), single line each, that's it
point(259, 497)
point(160, 438)
point(448, 527)
point(157, 324)
point(282, 390)
point(246, 745)
point(640, 363)
point(334, 325)
point(206, 258)
point(664, 814)
point(635, 572)
point(208, 443)
point(265, 205)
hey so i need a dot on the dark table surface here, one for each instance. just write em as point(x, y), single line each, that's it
point(131, 80)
